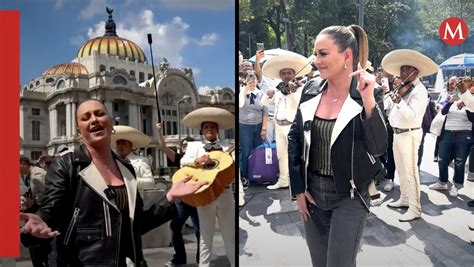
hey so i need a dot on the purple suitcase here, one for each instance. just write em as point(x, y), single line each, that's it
point(262, 169)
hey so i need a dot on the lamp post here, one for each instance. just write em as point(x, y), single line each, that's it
point(185, 98)
point(250, 49)
point(361, 12)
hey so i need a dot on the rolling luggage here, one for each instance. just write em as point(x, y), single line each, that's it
point(263, 164)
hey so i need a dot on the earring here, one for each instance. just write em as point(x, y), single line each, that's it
point(113, 131)
point(345, 66)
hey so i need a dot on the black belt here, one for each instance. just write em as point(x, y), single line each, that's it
point(399, 131)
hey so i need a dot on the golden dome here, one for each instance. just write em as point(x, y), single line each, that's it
point(112, 45)
point(72, 67)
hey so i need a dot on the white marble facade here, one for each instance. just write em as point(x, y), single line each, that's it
point(48, 103)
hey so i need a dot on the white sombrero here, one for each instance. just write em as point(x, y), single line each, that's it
point(392, 62)
point(300, 64)
point(222, 117)
point(137, 138)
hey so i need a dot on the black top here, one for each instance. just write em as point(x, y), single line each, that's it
point(320, 150)
point(121, 200)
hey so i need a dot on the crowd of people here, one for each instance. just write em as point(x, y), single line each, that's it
point(332, 108)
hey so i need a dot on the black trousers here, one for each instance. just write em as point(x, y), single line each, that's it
point(39, 254)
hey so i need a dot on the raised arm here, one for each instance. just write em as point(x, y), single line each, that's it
point(168, 151)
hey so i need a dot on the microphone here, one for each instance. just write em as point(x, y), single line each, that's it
point(149, 38)
point(109, 193)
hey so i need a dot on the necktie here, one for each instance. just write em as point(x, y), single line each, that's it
point(213, 146)
point(252, 97)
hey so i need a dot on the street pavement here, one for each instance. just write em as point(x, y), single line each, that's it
point(271, 232)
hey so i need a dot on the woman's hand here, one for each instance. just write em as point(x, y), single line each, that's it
point(36, 226)
point(202, 160)
point(366, 86)
point(159, 127)
point(184, 187)
point(251, 85)
point(302, 207)
point(259, 55)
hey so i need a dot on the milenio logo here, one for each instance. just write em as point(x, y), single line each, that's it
point(453, 31)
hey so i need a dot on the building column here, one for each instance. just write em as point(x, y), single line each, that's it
point(68, 120)
point(132, 115)
point(139, 118)
point(22, 126)
point(53, 123)
point(110, 108)
point(154, 118)
point(73, 119)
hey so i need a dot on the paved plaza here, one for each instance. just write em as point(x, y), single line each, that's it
point(271, 231)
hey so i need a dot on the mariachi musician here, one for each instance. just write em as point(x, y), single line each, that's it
point(409, 103)
point(209, 121)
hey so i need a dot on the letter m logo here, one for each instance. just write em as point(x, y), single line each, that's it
point(453, 31)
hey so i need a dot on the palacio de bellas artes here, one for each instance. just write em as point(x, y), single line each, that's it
point(116, 71)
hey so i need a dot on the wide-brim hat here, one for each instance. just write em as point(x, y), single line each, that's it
point(45, 158)
point(300, 64)
point(137, 138)
point(222, 117)
point(392, 62)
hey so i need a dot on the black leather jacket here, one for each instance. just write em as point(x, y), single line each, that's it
point(359, 140)
point(88, 222)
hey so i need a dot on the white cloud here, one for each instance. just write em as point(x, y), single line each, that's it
point(59, 4)
point(77, 40)
point(196, 71)
point(207, 39)
point(203, 90)
point(95, 7)
point(168, 38)
point(199, 4)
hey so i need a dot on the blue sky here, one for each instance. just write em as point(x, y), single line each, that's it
point(189, 33)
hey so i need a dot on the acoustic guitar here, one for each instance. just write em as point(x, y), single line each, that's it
point(219, 174)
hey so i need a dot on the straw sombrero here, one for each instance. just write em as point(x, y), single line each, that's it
point(137, 138)
point(300, 64)
point(222, 117)
point(392, 62)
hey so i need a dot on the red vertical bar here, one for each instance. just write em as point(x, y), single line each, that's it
point(9, 134)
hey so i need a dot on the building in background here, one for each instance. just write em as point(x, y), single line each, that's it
point(116, 71)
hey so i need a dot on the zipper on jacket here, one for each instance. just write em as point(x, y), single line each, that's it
point(351, 181)
point(108, 224)
point(117, 252)
point(71, 225)
point(306, 160)
point(371, 158)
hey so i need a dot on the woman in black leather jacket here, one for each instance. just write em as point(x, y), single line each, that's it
point(336, 135)
point(92, 208)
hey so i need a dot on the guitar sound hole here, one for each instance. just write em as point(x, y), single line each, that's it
point(211, 165)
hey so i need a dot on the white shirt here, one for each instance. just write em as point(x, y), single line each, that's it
point(142, 171)
point(285, 105)
point(196, 149)
point(411, 109)
point(456, 119)
point(468, 100)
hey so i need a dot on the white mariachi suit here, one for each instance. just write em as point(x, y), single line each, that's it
point(144, 176)
point(223, 208)
point(285, 110)
point(408, 114)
